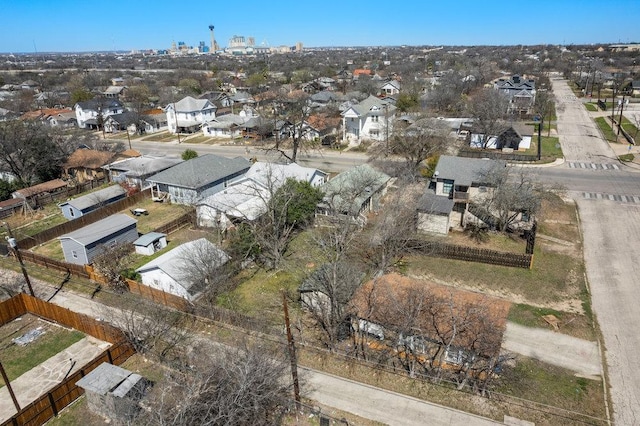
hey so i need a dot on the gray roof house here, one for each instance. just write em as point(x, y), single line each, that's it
point(82, 245)
point(353, 193)
point(189, 114)
point(73, 209)
point(166, 272)
point(134, 171)
point(200, 176)
point(370, 119)
point(455, 184)
point(113, 392)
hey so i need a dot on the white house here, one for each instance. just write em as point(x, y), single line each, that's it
point(227, 126)
point(371, 119)
point(247, 199)
point(390, 88)
point(167, 272)
point(189, 114)
point(89, 113)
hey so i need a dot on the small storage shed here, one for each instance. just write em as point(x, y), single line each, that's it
point(150, 243)
point(114, 392)
point(77, 207)
point(82, 245)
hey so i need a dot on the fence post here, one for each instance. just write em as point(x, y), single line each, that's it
point(53, 404)
point(109, 356)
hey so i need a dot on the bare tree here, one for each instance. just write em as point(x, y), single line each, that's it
point(488, 110)
point(511, 193)
point(326, 294)
point(110, 262)
point(153, 330)
point(425, 138)
point(232, 387)
point(385, 243)
point(204, 267)
point(296, 110)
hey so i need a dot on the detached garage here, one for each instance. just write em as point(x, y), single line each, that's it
point(82, 245)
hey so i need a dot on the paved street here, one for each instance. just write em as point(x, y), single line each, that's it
point(611, 234)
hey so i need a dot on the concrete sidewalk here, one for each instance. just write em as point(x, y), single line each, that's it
point(383, 405)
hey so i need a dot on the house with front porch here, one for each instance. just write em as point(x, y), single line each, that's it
point(92, 114)
point(371, 119)
point(189, 114)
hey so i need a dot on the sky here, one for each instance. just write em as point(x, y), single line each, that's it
point(31, 26)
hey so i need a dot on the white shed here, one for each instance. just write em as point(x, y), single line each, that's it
point(150, 243)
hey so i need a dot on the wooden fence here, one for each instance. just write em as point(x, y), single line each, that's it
point(158, 296)
point(49, 404)
point(64, 193)
point(58, 265)
point(472, 254)
point(82, 221)
point(187, 219)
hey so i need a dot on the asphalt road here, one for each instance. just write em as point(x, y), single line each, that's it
point(611, 234)
point(323, 159)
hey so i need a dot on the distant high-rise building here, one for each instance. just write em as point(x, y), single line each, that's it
point(299, 46)
point(214, 43)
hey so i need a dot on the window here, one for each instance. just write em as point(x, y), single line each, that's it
point(74, 254)
point(375, 118)
point(374, 133)
point(447, 187)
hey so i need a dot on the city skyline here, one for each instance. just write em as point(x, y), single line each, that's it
point(33, 26)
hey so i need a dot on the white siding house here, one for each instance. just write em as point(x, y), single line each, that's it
point(166, 272)
point(189, 114)
point(371, 119)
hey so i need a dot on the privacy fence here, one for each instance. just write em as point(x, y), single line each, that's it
point(55, 399)
point(82, 221)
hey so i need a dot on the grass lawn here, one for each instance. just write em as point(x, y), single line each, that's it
point(36, 221)
point(164, 136)
point(629, 126)
point(159, 214)
point(605, 128)
point(568, 323)
point(535, 381)
point(590, 106)
point(17, 360)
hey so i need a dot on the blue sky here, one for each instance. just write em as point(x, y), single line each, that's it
point(72, 25)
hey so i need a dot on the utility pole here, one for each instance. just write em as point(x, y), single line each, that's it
point(540, 124)
point(9, 388)
point(14, 245)
point(624, 93)
point(292, 351)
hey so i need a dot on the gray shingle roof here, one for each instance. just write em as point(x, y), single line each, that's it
point(432, 203)
point(201, 171)
point(94, 198)
point(141, 166)
point(364, 107)
point(103, 378)
point(172, 263)
point(358, 184)
point(100, 229)
point(148, 238)
point(190, 104)
point(465, 171)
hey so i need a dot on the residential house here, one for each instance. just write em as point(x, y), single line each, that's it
point(187, 181)
point(150, 243)
point(353, 194)
point(371, 119)
point(459, 180)
point(125, 121)
point(420, 318)
point(92, 114)
point(634, 87)
point(74, 208)
point(247, 198)
point(514, 136)
point(168, 271)
point(134, 171)
point(113, 392)
point(228, 126)
point(390, 88)
point(83, 245)
point(219, 99)
point(86, 164)
point(189, 114)
point(153, 120)
point(114, 92)
point(43, 115)
point(520, 91)
point(63, 119)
